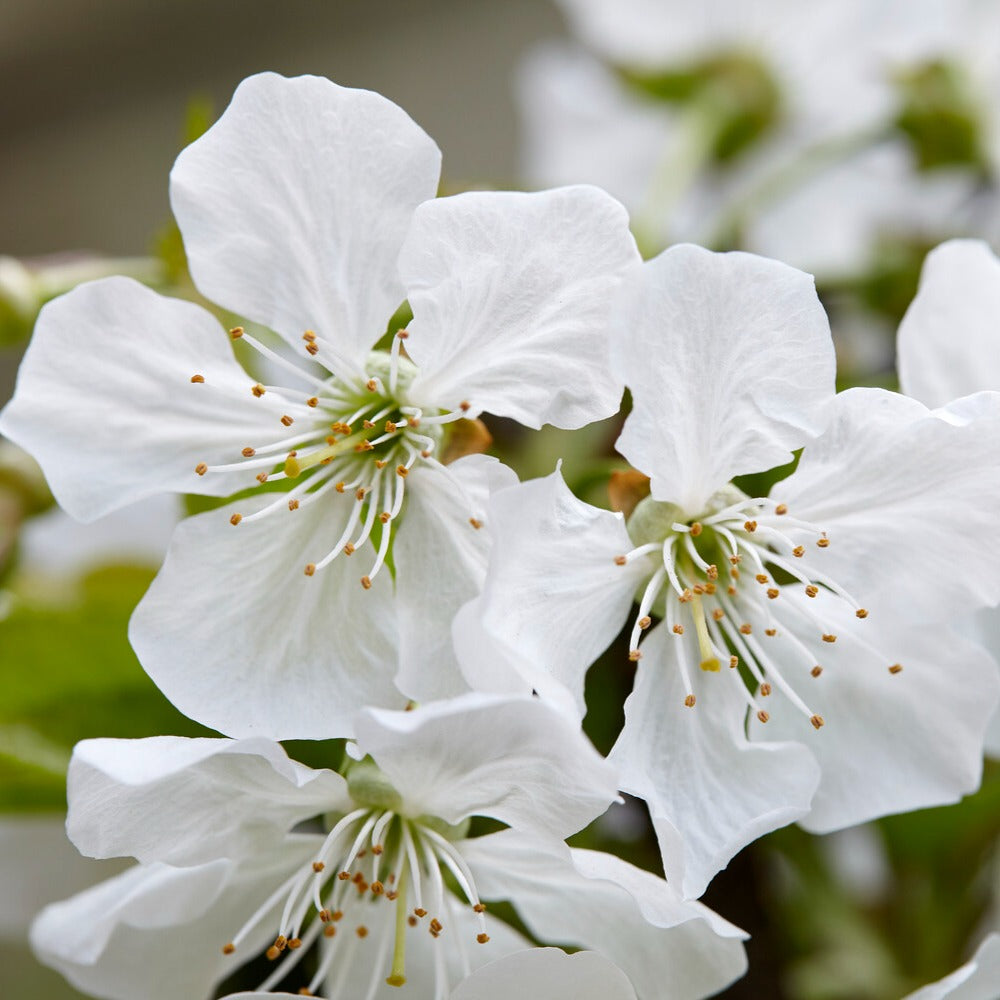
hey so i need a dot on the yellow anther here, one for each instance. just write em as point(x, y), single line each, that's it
point(750, 526)
point(294, 944)
point(402, 471)
point(312, 349)
point(348, 549)
point(287, 420)
point(763, 716)
point(402, 334)
point(634, 655)
point(236, 332)
point(828, 637)
point(248, 452)
point(678, 629)
point(312, 401)
point(620, 560)
point(761, 578)
point(371, 385)
point(745, 628)
point(811, 590)
point(366, 582)
point(770, 631)
point(712, 572)
point(734, 661)
point(690, 700)
point(773, 592)
point(197, 379)
point(799, 551)
point(361, 931)
point(861, 613)
point(645, 622)
point(329, 931)
point(475, 523)
point(896, 668)
point(385, 517)
point(258, 390)
point(318, 866)
point(293, 504)
point(201, 468)
point(465, 406)
point(781, 509)
point(367, 424)
point(482, 938)
point(228, 949)
point(816, 671)
point(261, 477)
point(823, 542)
point(817, 721)
point(696, 529)
point(310, 569)
point(390, 427)
point(309, 335)
point(765, 690)
point(235, 519)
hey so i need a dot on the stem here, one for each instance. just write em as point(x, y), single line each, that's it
point(397, 977)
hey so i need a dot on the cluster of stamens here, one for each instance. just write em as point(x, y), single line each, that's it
point(375, 867)
point(357, 440)
point(721, 575)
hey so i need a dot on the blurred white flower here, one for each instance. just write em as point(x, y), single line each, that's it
point(309, 208)
point(831, 598)
point(393, 892)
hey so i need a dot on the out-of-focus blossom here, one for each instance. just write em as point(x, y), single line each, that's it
point(801, 635)
point(978, 979)
point(310, 208)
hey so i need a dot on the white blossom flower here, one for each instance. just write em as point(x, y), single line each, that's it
point(767, 689)
point(393, 892)
point(309, 208)
point(948, 347)
point(976, 980)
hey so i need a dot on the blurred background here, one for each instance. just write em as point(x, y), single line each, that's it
point(844, 138)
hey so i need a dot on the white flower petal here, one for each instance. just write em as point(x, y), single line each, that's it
point(976, 980)
point(923, 725)
point(294, 205)
point(908, 498)
point(513, 758)
point(709, 790)
point(548, 973)
point(553, 597)
point(730, 363)
point(669, 949)
point(239, 638)
point(949, 340)
point(985, 629)
point(510, 295)
point(157, 932)
point(440, 557)
point(189, 801)
point(106, 405)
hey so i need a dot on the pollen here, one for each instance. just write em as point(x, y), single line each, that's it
point(201, 468)
point(360, 494)
point(817, 721)
point(412, 921)
point(235, 519)
point(712, 572)
point(734, 661)
point(770, 631)
point(480, 908)
point(896, 668)
point(690, 700)
point(329, 931)
point(294, 944)
point(197, 379)
point(272, 953)
point(258, 390)
point(310, 569)
point(385, 517)
point(248, 452)
point(420, 912)
point(261, 477)
point(377, 888)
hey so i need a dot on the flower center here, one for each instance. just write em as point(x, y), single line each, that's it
point(723, 574)
point(379, 874)
point(356, 437)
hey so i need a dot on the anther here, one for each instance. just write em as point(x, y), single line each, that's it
point(645, 622)
point(750, 526)
point(294, 943)
point(309, 335)
point(329, 931)
point(763, 716)
point(736, 560)
point(272, 953)
point(258, 390)
point(385, 517)
point(287, 420)
point(412, 921)
point(348, 549)
point(811, 590)
point(799, 551)
point(698, 589)
point(827, 637)
point(339, 487)
point(816, 671)
point(465, 406)
point(765, 690)
point(480, 908)
point(392, 895)
point(293, 504)
point(420, 912)
point(235, 519)
point(201, 468)
point(745, 628)
point(436, 925)
point(734, 661)
point(378, 889)
point(861, 613)
point(696, 529)
point(761, 578)
point(248, 452)
point(823, 542)
point(731, 591)
point(402, 471)
point(360, 494)
point(343, 876)
point(712, 572)
point(228, 949)
point(361, 931)
point(709, 588)
point(366, 582)
point(312, 349)
point(426, 453)
point(197, 379)
point(896, 668)
point(773, 592)
point(367, 424)
point(482, 938)
point(678, 629)
point(312, 401)
point(718, 614)
point(236, 332)
point(620, 560)
point(310, 569)
point(380, 463)
point(371, 385)
point(781, 509)
point(817, 721)
point(390, 427)
point(261, 477)
point(318, 866)
point(635, 654)
point(770, 631)
point(689, 701)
